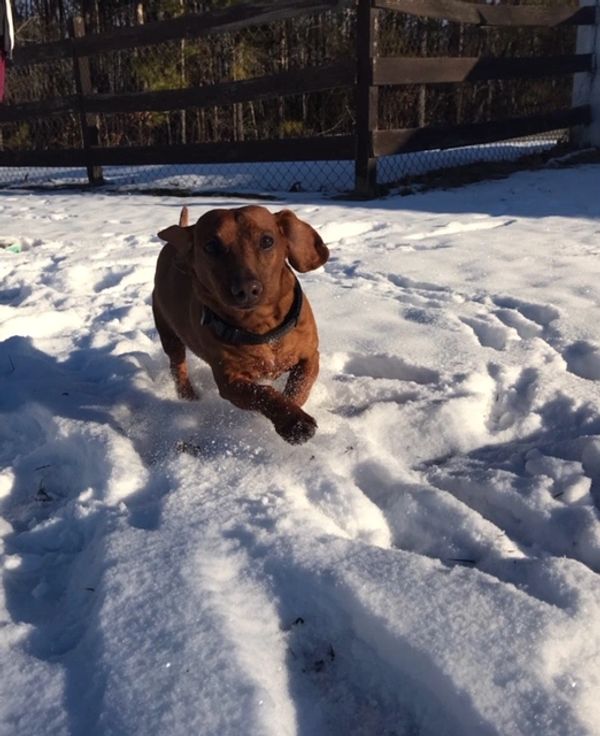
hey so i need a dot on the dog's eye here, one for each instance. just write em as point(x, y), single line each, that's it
point(266, 242)
point(212, 246)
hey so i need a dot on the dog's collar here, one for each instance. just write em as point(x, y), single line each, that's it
point(236, 336)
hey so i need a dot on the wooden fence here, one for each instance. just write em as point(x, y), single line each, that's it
point(366, 73)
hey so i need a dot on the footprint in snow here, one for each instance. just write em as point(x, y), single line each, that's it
point(514, 396)
point(570, 484)
point(583, 359)
point(533, 320)
point(112, 278)
point(453, 228)
point(489, 331)
point(524, 327)
point(390, 367)
point(540, 314)
point(403, 282)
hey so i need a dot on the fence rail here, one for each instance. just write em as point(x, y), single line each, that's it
point(310, 79)
point(390, 142)
point(492, 15)
point(443, 70)
point(362, 76)
point(176, 29)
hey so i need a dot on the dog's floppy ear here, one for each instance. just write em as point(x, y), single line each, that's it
point(181, 237)
point(306, 250)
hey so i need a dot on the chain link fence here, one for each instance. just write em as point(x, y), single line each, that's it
point(307, 41)
point(438, 105)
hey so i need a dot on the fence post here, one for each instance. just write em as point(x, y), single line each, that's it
point(586, 85)
point(83, 86)
point(367, 99)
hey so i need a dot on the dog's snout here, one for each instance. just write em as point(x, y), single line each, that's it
point(246, 292)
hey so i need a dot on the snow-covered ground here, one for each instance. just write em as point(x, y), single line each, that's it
point(426, 565)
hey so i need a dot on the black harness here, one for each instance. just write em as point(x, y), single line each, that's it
point(236, 336)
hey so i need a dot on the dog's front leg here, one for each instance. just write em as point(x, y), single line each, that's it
point(175, 350)
point(293, 424)
point(301, 379)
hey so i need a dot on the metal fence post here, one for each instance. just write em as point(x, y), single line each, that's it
point(367, 99)
point(83, 85)
point(586, 85)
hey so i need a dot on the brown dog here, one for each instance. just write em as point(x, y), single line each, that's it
point(224, 289)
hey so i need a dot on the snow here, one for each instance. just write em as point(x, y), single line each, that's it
point(427, 564)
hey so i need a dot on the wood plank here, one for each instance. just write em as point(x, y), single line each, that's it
point(391, 142)
point(66, 158)
point(293, 149)
point(225, 20)
point(330, 148)
point(339, 74)
point(366, 99)
point(83, 85)
point(493, 15)
point(439, 70)
point(27, 110)
point(42, 53)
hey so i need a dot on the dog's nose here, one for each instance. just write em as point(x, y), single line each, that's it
point(246, 292)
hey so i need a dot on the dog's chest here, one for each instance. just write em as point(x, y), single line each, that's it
point(264, 361)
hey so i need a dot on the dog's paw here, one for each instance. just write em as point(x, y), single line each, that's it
point(186, 391)
point(298, 429)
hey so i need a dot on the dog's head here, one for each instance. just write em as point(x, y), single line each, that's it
point(237, 256)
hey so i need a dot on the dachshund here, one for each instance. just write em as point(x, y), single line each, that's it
point(225, 289)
